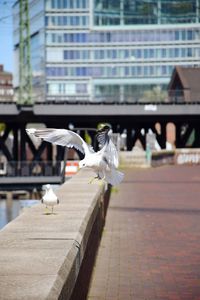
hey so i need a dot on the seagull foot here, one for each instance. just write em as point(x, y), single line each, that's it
point(92, 179)
point(101, 182)
point(47, 212)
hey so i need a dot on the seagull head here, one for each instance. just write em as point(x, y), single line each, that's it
point(48, 187)
point(82, 164)
point(89, 161)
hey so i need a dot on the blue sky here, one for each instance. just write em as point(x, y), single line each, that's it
point(6, 44)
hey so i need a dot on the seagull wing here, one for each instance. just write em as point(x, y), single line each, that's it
point(62, 137)
point(109, 150)
point(102, 135)
point(110, 154)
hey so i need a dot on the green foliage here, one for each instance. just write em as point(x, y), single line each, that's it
point(155, 95)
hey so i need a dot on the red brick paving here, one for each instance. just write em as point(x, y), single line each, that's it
point(150, 248)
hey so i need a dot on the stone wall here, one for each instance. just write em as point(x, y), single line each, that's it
point(43, 256)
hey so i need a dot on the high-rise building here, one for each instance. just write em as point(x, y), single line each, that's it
point(109, 50)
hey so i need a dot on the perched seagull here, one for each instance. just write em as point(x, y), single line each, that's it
point(50, 198)
point(104, 162)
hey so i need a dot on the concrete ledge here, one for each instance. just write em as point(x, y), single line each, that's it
point(41, 255)
point(134, 158)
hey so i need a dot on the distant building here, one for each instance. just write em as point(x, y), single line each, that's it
point(6, 86)
point(184, 85)
point(109, 50)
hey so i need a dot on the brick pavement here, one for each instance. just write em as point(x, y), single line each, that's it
point(150, 247)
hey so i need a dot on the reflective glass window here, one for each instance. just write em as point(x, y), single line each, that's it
point(183, 52)
point(126, 71)
point(164, 70)
point(171, 52)
point(176, 52)
point(177, 35)
point(145, 53)
point(183, 35)
point(164, 53)
point(152, 70)
point(114, 53)
point(189, 52)
point(139, 70)
point(189, 35)
point(81, 88)
point(107, 12)
point(138, 53)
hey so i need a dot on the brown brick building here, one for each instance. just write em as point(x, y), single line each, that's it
point(6, 86)
point(184, 85)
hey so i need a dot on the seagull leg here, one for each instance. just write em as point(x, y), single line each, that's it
point(103, 179)
point(52, 210)
point(93, 178)
point(46, 210)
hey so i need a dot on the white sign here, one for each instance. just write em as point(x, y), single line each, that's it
point(150, 107)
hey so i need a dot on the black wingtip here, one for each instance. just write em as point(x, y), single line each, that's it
point(102, 134)
point(104, 128)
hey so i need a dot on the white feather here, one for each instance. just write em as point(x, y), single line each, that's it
point(114, 177)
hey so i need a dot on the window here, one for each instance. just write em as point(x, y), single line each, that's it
point(114, 53)
point(189, 35)
point(176, 52)
point(126, 71)
point(164, 70)
point(177, 35)
point(81, 88)
point(163, 53)
point(189, 52)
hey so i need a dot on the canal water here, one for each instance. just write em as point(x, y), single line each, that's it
point(11, 208)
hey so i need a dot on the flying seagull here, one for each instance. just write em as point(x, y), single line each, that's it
point(104, 162)
point(50, 198)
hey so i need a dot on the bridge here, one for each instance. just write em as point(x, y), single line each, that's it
point(131, 117)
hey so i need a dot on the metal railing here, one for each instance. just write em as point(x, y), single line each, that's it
point(31, 168)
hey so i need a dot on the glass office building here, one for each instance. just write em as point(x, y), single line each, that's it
point(109, 50)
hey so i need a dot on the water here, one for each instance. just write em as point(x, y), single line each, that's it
point(11, 208)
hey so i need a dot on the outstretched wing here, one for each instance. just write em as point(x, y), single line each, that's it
point(102, 135)
point(62, 137)
point(109, 150)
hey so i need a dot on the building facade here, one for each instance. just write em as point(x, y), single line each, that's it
point(109, 50)
point(6, 85)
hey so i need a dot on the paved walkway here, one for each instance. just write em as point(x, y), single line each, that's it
point(150, 248)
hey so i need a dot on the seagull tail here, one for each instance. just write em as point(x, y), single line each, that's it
point(114, 177)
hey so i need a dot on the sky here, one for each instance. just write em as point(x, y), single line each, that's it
point(6, 44)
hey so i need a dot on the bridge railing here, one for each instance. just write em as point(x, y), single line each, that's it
point(172, 96)
point(31, 168)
